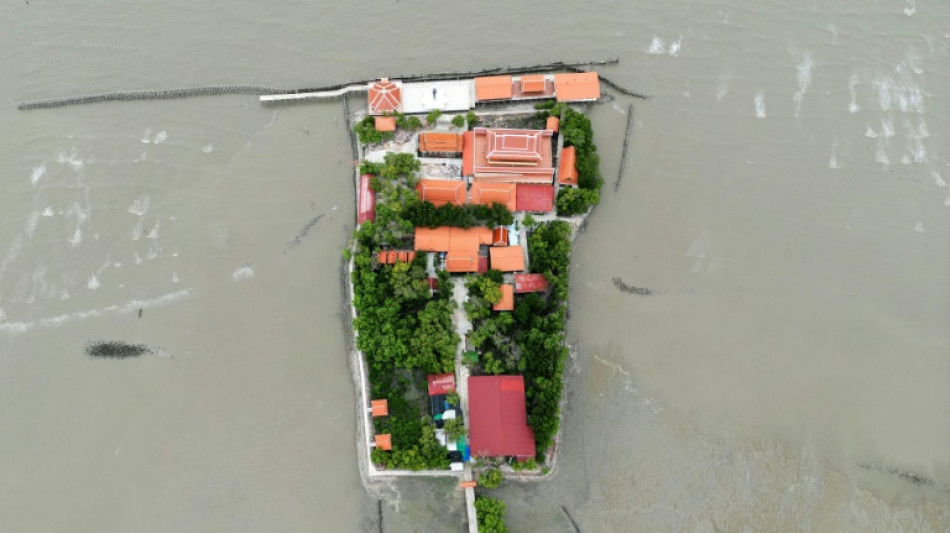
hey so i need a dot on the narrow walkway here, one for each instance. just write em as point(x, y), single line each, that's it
point(266, 98)
point(462, 326)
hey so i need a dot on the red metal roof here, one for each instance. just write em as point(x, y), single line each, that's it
point(367, 207)
point(498, 418)
point(441, 384)
point(530, 283)
point(383, 96)
point(535, 197)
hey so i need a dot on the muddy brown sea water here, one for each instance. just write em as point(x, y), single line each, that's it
point(784, 200)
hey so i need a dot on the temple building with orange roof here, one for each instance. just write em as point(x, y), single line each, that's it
point(384, 96)
point(508, 155)
point(494, 193)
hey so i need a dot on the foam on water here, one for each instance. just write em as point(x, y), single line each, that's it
point(870, 133)
point(137, 258)
point(910, 8)
point(153, 233)
point(145, 137)
point(919, 227)
point(207, 149)
point(76, 237)
point(245, 271)
point(853, 106)
point(656, 46)
point(675, 47)
point(137, 230)
point(723, 88)
point(175, 277)
point(48, 212)
point(18, 327)
point(31, 223)
point(759, 103)
point(938, 181)
point(160, 137)
point(887, 128)
point(833, 162)
point(140, 205)
point(93, 283)
point(154, 250)
point(805, 66)
point(38, 172)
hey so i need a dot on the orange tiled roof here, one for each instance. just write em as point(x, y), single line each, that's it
point(389, 257)
point(506, 258)
point(433, 240)
point(440, 142)
point(461, 260)
point(489, 193)
point(553, 123)
point(567, 166)
point(493, 88)
point(380, 407)
point(383, 96)
point(510, 155)
point(532, 84)
point(441, 192)
point(445, 239)
point(384, 441)
point(385, 123)
point(507, 302)
point(577, 87)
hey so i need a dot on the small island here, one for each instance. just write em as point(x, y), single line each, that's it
point(469, 193)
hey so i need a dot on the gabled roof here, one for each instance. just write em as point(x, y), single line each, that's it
point(440, 142)
point(567, 166)
point(441, 192)
point(383, 96)
point(489, 193)
point(579, 87)
point(385, 123)
point(493, 88)
point(523, 146)
point(367, 205)
point(535, 197)
point(498, 417)
point(432, 240)
point(390, 257)
point(507, 302)
point(532, 83)
point(506, 258)
point(553, 124)
point(462, 260)
point(508, 155)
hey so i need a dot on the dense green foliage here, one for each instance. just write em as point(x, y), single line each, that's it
point(490, 478)
point(491, 515)
point(454, 429)
point(492, 331)
point(407, 123)
point(404, 332)
point(458, 121)
point(421, 213)
point(540, 337)
point(577, 132)
point(575, 201)
point(472, 119)
point(549, 108)
point(367, 132)
point(433, 116)
point(368, 167)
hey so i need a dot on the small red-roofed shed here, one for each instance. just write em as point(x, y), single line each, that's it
point(530, 283)
point(367, 207)
point(441, 384)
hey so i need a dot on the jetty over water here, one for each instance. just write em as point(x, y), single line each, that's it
point(336, 93)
